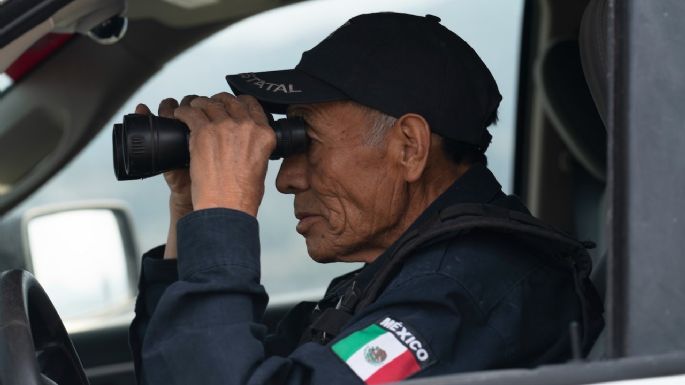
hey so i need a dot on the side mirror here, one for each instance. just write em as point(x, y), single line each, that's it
point(84, 256)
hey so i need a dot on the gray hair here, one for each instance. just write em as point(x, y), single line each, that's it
point(380, 124)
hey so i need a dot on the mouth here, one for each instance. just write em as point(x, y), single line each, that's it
point(302, 215)
point(306, 220)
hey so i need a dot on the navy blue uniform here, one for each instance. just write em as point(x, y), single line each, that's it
point(474, 302)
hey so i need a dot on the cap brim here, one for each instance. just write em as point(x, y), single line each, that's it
point(276, 90)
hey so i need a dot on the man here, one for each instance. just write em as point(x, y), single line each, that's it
point(396, 108)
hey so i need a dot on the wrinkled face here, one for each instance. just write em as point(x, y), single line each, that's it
point(349, 195)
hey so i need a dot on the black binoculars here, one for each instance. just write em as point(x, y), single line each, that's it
point(148, 145)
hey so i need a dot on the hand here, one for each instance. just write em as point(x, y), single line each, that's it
point(230, 143)
point(180, 201)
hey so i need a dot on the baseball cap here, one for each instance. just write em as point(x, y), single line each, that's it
point(392, 62)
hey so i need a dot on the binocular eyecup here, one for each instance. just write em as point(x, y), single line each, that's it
point(148, 145)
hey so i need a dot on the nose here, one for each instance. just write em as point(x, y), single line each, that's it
point(292, 176)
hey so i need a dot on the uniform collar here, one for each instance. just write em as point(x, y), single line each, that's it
point(476, 185)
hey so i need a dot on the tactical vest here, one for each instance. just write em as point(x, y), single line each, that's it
point(457, 220)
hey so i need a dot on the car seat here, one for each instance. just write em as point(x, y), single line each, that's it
point(572, 79)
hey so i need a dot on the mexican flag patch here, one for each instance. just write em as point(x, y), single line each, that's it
point(385, 351)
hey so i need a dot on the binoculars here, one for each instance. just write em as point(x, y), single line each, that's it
point(148, 145)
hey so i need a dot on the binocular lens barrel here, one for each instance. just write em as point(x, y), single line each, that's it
point(147, 145)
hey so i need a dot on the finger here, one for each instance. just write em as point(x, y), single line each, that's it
point(167, 107)
point(177, 179)
point(191, 116)
point(214, 109)
point(235, 108)
point(254, 109)
point(187, 99)
point(143, 110)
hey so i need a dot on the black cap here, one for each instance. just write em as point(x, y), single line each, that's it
point(395, 63)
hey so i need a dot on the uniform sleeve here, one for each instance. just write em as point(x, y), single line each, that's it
point(156, 274)
point(206, 328)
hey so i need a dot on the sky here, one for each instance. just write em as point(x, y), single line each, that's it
point(270, 41)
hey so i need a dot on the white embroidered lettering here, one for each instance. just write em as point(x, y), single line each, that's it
point(403, 334)
point(387, 323)
point(415, 345)
point(408, 339)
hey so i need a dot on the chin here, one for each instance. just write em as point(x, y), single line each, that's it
point(329, 255)
point(320, 256)
point(324, 252)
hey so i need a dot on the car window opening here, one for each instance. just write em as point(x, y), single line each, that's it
point(5, 82)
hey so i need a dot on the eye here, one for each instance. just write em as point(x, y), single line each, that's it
point(314, 142)
point(310, 132)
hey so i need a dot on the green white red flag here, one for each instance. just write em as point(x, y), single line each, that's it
point(383, 352)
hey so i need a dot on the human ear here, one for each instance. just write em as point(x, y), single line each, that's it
point(413, 133)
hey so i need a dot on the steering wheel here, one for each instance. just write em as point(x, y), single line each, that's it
point(35, 348)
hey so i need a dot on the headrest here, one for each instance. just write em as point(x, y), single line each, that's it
point(570, 106)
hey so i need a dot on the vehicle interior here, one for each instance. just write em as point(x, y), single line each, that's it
point(69, 81)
